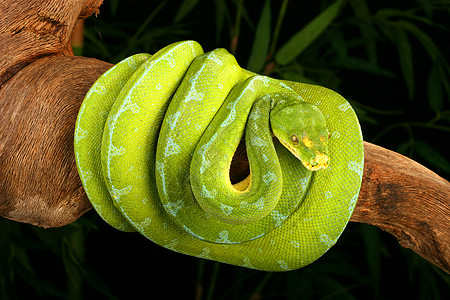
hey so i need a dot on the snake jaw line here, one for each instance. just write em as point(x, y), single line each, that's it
point(321, 160)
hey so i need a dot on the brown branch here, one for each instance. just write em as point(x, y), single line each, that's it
point(41, 89)
point(30, 29)
point(38, 179)
point(407, 200)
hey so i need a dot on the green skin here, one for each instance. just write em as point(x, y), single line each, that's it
point(302, 129)
point(154, 141)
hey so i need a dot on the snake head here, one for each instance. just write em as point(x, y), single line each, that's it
point(302, 129)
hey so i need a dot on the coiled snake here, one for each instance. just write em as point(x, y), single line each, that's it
point(154, 141)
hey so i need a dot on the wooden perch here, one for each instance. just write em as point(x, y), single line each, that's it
point(42, 86)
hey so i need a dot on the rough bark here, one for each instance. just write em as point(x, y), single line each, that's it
point(41, 89)
point(39, 183)
point(33, 29)
point(407, 200)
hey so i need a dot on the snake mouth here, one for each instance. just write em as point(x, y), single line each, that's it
point(320, 161)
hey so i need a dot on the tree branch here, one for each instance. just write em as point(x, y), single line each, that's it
point(41, 89)
point(407, 200)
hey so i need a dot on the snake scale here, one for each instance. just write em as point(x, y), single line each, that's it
point(155, 137)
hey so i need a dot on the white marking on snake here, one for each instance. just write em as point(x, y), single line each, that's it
point(223, 237)
point(174, 207)
point(277, 217)
point(344, 107)
point(129, 105)
point(86, 175)
point(232, 107)
point(171, 148)
point(172, 245)
point(209, 194)
point(256, 114)
point(247, 263)
point(117, 193)
point(160, 170)
point(170, 59)
point(295, 244)
point(269, 177)
point(173, 119)
point(227, 210)
point(113, 119)
point(212, 56)
point(80, 134)
point(192, 233)
point(192, 93)
point(98, 88)
point(144, 224)
point(353, 203)
point(355, 166)
point(324, 238)
point(260, 203)
point(232, 115)
point(283, 265)
point(202, 152)
point(205, 253)
point(114, 151)
point(191, 45)
point(259, 142)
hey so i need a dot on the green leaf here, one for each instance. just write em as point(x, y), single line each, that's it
point(114, 5)
point(432, 156)
point(405, 56)
point(134, 40)
point(403, 148)
point(221, 14)
point(92, 40)
point(260, 47)
point(276, 32)
point(338, 43)
point(435, 90)
point(22, 257)
point(302, 39)
point(185, 8)
point(368, 32)
point(298, 284)
point(408, 14)
point(374, 248)
point(428, 7)
point(423, 38)
point(358, 64)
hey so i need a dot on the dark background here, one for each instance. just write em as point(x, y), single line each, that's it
point(388, 58)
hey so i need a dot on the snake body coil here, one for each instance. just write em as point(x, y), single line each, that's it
point(154, 141)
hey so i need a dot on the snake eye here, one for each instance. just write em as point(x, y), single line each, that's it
point(295, 140)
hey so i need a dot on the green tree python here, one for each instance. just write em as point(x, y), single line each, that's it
point(154, 141)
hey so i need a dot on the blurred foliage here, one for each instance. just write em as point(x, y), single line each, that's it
point(388, 58)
